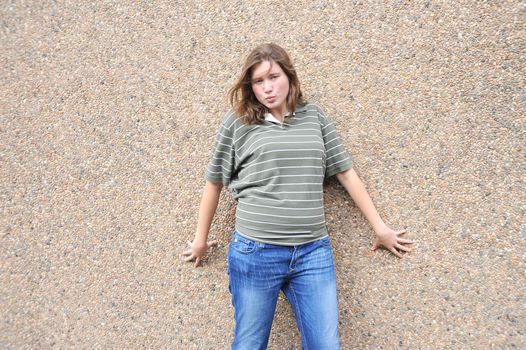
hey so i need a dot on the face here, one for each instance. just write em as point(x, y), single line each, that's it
point(271, 87)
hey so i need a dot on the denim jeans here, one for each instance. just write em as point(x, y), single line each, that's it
point(305, 273)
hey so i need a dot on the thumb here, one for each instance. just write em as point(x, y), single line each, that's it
point(375, 245)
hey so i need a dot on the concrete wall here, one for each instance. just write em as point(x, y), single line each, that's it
point(109, 110)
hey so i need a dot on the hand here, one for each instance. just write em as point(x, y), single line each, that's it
point(197, 251)
point(389, 239)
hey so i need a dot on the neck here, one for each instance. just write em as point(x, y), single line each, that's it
point(280, 118)
point(279, 114)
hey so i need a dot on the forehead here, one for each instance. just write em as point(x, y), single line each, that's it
point(265, 67)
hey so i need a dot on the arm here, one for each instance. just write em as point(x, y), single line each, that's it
point(207, 209)
point(385, 236)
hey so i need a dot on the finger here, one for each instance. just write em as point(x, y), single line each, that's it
point(197, 262)
point(212, 244)
point(190, 258)
point(401, 247)
point(375, 245)
point(395, 252)
point(400, 232)
point(404, 241)
point(187, 252)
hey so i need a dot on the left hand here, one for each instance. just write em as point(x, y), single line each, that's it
point(197, 251)
point(390, 240)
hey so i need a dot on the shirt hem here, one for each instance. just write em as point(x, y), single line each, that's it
point(286, 244)
point(340, 169)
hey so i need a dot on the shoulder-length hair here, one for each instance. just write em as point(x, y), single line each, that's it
point(241, 95)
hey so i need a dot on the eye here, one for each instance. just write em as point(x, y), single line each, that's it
point(274, 76)
point(258, 81)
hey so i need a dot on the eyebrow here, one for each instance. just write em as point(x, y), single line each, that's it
point(268, 72)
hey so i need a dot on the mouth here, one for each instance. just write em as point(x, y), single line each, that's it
point(271, 99)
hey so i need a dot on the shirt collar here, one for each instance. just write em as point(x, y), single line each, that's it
point(270, 118)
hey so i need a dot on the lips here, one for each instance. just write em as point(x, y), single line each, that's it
point(271, 99)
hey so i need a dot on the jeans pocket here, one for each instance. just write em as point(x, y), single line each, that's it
point(243, 245)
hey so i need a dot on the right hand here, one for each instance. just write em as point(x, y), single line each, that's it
point(197, 251)
point(390, 240)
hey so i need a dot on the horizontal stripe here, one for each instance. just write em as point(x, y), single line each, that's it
point(343, 160)
point(222, 166)
point(330, 132)
point(281, 208)
point(277, 159)
point(291, 150)
point(294, 200)
point(283, 143)
point(281, 176)
point(330, 149)
point(288, 150)
point(290, 192)
point(218, 172)
point(336, 155)
point(223, 136)
point(240, 147)
point(217, 151)
point(280, 216)
point(278, 132)
point(277, 173)
point(221, 160)
point(278, 224)
point(298, 184)
point(227, 145)
point(286, 167)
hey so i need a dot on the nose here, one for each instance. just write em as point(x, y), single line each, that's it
point(267, 86)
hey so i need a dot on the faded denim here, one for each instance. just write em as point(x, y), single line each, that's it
point(306, 275)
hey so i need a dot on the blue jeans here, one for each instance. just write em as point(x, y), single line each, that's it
point(305, 273)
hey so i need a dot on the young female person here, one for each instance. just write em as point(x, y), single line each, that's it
point(274, 151)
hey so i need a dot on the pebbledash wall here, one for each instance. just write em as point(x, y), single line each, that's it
point(109, 111)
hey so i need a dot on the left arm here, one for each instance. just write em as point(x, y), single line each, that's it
point(385, 236)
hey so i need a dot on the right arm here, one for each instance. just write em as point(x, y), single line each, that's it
point(218, 173)
point(207, 209)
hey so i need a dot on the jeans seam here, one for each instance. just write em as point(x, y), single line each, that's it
point(298, 315)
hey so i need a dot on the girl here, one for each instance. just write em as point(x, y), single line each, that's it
point(273, 151)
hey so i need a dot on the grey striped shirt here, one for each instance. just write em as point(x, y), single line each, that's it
point(276, 172)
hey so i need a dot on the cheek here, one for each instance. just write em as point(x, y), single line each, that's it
point(286, 87)
point(284, 84)
point(257, 92)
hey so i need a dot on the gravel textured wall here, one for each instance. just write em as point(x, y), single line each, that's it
point(108, 114)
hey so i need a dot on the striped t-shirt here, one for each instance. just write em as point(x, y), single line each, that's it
point(276, 171)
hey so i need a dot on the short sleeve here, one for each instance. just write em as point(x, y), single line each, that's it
point(337, 159)
point(222, 160)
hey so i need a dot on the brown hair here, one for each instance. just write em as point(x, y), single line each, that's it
point(241, 96)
